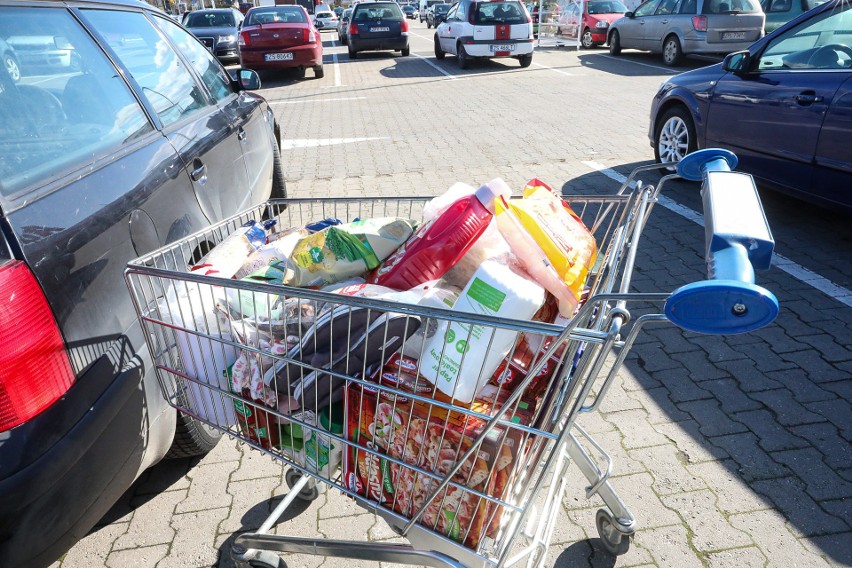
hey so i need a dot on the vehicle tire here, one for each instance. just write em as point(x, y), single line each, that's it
point(462, 58)
point(674, 135)
point(406, 51)
point(672, 53)
point(614, 43)
point(586, 39)
point(352, 53)
point(279, 185)
point(192, 438)
point(12, 68)
point(439, 53)
point(526, 60)
point(428, 25)
point(319, 72)
point(343, 40)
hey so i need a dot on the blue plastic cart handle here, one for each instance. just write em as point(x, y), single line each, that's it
point(738, 240)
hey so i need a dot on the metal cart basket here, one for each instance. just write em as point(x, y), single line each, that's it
point(323, 381)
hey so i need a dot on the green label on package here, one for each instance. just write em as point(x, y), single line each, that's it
point(488, 296)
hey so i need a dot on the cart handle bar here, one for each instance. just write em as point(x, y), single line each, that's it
point(738, 241)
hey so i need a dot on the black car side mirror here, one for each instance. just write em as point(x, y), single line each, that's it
point(629, 14)
point(737, 62)
point(248, 80)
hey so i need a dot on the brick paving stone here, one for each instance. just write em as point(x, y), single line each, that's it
point(150, 523)
point(675, 340)
point(753, 463)
point(710, 418)
point(749, 557)
point(636, 491)
point(700, 369)
point(768, 529)
point(636, 378)
point(804, 390)
point(828, 347)
point(716, 348)
point(670, 546)
point(614, 443)
point(209, 488)
point(617, 399)
point(94, 549)
point(843, 389)
point(748, 376)
point(338, 506)
point(806, 311)
point(142, 557)
point(836, 451)
point(595, 422)
point(766, 358)
point(195, 539)
point(660, 407)
point(779, 341)
point(833, 548)
point(227, 450)
point(709, 529)
point(771, 436)
point(840, 508)
point(838, 412)
point(666, 466)
point(787, 410)
point(817, 368)
point(681, 386)
point(251, 503)
point(734, 496)
point(691, 442)
point(168, 476)
point(730, 396)
point(822, 483)
point(636, 430)
point(806, 516)
point(255, 464)
point(652, 357)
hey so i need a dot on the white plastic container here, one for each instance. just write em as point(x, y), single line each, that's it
point(460, 360)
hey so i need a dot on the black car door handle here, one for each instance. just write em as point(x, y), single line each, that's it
point(198, 172)
point(808, 98)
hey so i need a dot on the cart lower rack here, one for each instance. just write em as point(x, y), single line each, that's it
point(324, 382)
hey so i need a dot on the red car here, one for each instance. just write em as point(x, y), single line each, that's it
point(597, 15)
point(280, 37)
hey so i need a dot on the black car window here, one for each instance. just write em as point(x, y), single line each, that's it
point(646, 9)
point(493, 13)
point(210, 20)
point(689, 7)
point(276, 15)
point(729, 6)
point(165, 81)
point(212, 73)
point(817, 44)
point(667, 7)
point(68, 108)
point(378, 11)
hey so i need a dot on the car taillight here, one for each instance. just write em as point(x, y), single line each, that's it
point(244, 39)
point(472, 15)
point(404, 26)
point(307, 35)
point(353, 29)
point(699, 23)
point(34, 366)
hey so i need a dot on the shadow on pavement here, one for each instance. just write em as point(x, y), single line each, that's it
point(589, 552)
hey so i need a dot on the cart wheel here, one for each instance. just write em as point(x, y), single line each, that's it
point(267, 559)
point(615, 541)
point(308, 493)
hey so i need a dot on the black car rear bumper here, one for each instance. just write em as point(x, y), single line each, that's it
point(357, 43)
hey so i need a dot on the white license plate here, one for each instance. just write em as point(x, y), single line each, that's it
point(374, 30)
point(502, 47)
point(733, 35)
point(278, 57)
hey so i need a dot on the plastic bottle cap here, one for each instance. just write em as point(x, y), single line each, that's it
point(337, 410)
point(488, 192)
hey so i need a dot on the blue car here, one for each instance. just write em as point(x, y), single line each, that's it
point(784, 106)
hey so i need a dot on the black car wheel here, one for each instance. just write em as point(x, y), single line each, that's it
point(12, 67)
point(428, 24)
point(462, 58)
point(406, 51)
point(526, 60)
point(586, 40)
point(674, 135)
point(192, 437)
point(352, 53)
point(319, 72)
point(439, 53)
point(672, 53)
point(279, 185)
point(614, 43)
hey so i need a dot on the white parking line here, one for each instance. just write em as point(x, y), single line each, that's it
point(549, 68)
point(450, 76)
point(328, 100)
point(666, 69)
point(797, 271)
point(317, 142)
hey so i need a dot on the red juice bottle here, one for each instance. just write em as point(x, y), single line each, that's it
point(440, 243)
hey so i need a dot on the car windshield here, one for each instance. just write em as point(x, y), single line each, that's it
point(325, 15)
point(492, 13)
point(610, 7)
point(442, 8)
point(731, 6)
point(210, 20)
point(377, 11)
point(278, 15)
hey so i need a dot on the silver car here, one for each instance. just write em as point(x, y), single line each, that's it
point(681, 27)
point(343, 25)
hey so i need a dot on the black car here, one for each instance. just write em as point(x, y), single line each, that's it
point(783, 107)
point(378, 26)
point(218, 30)
point(147, 141)
point(436, 14)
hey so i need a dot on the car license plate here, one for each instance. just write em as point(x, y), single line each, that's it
point(503, 47)
point(278, 57)
point(374, 30)
point(733, 35)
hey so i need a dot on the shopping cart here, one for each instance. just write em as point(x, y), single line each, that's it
point(308, 377)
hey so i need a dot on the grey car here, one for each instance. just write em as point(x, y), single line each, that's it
point(218, 30)
point(677, 28)
point(343, 25)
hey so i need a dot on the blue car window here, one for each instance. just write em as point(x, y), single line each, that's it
point(820, 43)
point(68, 107)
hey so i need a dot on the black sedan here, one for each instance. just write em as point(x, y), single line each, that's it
point(784, 107)
point(218, 30)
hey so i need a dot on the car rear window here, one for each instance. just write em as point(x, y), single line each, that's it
point(731, 6)
point(278, 15)
point(441, 8)
point(377, 11)
point(210, 20)
point(613, 7)
point(325, 15)
point(493, 13)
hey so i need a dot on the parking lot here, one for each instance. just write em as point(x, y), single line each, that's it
point(730, 451)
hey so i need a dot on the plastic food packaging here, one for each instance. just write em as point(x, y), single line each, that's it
point(340, 252)
point(439, 244)
point(323, 454)
point(460, 360)
point(567, 244)
point(276, 250)
point(226, 258)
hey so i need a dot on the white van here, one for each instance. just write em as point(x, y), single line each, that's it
point(424, 5)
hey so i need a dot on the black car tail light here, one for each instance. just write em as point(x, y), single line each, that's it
point(699, 23)
point(403, 27)
point(35, 369)
point(353, 29)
